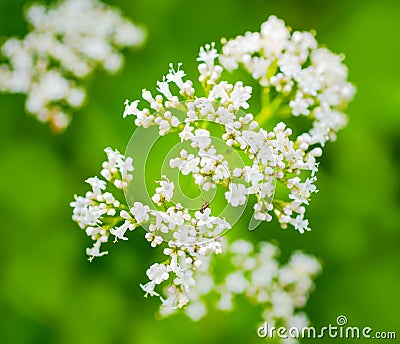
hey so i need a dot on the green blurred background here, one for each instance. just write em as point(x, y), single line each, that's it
point(50, 293)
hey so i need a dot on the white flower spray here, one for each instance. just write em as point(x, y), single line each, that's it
point(67, 41)
point(296, 78)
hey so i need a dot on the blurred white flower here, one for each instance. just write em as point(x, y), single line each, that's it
point(262, 284)
point(67, 41)
point(119, 232)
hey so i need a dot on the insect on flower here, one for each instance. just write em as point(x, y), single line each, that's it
point(204, 207)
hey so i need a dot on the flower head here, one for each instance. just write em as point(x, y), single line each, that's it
point(245, 155)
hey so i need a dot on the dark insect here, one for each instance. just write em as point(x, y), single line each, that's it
point(204, 207)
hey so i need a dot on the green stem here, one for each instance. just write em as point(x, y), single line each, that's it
point(269, 107)
point(278, 204)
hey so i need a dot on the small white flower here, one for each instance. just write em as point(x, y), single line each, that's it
point(95, 250)
point(185, 279)
point(157, 273)
point(300, 105)
point(224, 115)
point(163, 87)
point(168, 189)
point(97, 185)
point(131, 108)
point(191, 165)
point(201, 139)
point(119, 232)
point(165, 191)
point(240, 95)
point(186, 133)
point(204, 218)
point(149, 289)
point(140, 212)
point(300, 223)
point(236, 194)
point(183, 236)
point(252, 174)
point(176, 76)
point(208, 54)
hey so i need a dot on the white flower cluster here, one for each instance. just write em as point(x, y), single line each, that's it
point(275, 156)
point(256, 274)
point(278, 168)
point(66, 42)
point(193, 240)
point(295, 72)
point(102, 215)
point(99, 213)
